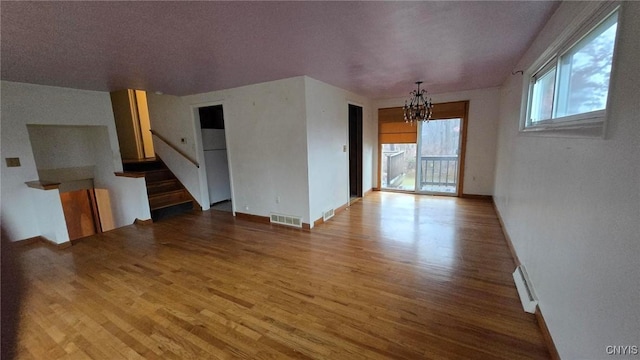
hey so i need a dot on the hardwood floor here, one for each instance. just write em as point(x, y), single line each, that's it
point(395, 276)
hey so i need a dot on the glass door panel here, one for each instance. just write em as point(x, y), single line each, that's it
point(398, 170)
point(439, 164)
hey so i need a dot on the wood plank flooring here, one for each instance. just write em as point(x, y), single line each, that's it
point(395, 276)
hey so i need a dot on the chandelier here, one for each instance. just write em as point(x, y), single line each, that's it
point(419, 109)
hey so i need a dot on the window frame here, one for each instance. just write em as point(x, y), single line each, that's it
point(583, 124)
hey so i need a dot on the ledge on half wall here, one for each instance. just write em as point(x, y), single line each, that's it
point(43, 185)
point(130, 174)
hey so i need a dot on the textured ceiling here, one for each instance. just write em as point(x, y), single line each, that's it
point(375, 49)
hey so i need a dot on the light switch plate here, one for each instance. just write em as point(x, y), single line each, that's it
point(13, 162)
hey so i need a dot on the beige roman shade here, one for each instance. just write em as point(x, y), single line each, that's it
point(393, 129)
point(450, 110)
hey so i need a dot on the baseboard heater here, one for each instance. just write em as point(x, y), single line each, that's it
point(525, 291)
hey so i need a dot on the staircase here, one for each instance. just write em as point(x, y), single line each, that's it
point(167, 196)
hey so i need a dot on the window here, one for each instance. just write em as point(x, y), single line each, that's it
point(571, 87)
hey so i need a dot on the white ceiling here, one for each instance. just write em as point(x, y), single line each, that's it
point(375, 49)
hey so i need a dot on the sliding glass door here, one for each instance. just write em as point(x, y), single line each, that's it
point(438, 163)
point(424, 157)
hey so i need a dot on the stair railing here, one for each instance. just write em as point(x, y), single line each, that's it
point(185, 155)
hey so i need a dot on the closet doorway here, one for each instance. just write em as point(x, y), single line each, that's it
point(214, 146)
point(355, 151)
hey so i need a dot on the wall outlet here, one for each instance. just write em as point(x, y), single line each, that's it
point(344, 148)
point(13, 162)
point(246, 207)
point(277, 199)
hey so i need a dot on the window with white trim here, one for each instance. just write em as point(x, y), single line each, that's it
point(569, 85)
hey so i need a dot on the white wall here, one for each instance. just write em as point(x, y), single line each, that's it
point(482, 128)
point(266, 143)
point(66, 154)
point(56, 146)
point(29, 212)
point(327, 112)
point(572, 205)
point(284, 142)
point(49, 217)
point(128, 196)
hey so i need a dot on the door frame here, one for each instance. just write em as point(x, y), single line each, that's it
point(359, 151)
point(445, 110)
point(202, 170)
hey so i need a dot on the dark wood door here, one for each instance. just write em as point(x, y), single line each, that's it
point(355, 151)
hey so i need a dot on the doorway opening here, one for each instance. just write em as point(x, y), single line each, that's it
point(214, 146)
point(133, 125)
point(355, 152)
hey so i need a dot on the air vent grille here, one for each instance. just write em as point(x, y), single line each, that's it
point(287, 220)
point(328, 214)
